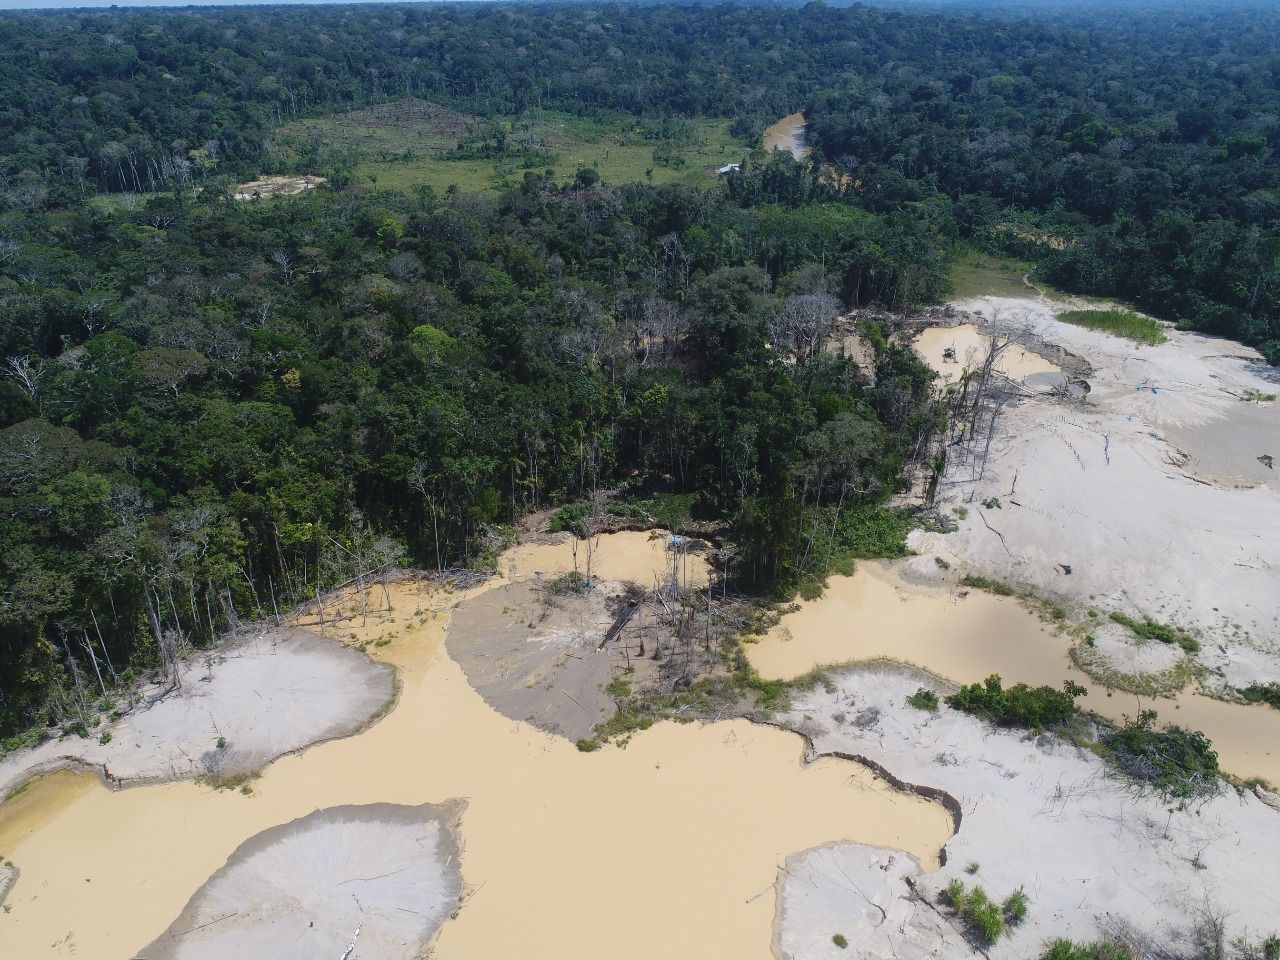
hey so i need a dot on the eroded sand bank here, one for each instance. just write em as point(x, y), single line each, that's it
point(1039, 814)
point(562, 850)
point(237, 708)
point(967, 635)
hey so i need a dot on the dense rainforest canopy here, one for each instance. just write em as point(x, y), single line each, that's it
point(211, 407)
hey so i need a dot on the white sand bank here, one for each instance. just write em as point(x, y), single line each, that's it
point(261, 698)
point(1038, 814)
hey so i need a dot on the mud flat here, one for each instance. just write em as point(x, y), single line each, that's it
point(543, 666)
point(380, 877)
point(562, 851)
point(1092, 855)
point(966, 635)
point(787, 134)
point(235, 710)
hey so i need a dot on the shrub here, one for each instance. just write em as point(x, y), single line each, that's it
point(1019, 706)
point(923, 699)
point(1015, 907)
point(840, 940)
point(981, 916)
point(1268, 693)
point(588, 745)
point(1176, 762)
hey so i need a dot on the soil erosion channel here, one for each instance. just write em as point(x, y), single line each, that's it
point(564, 854)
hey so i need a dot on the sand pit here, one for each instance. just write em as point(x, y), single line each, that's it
point(1038, 814)
point(683, 830)
point(276, 187)
point(542, 666)
point(237, 709)
point(970, 347)
point(380, 876)
point(965, 635)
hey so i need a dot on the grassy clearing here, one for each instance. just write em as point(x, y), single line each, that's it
point(1120, 323)
point(409, 144)
point(972, 273)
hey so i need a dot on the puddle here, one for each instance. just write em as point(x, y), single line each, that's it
point(875, 614)
point(563, 851)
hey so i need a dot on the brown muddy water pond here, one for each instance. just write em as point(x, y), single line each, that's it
point(566, 854)
point(970, 347)
point(787, 134)
point(876, 614)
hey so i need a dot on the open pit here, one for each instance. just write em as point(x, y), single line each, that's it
point(561, 850)
point(276, 186)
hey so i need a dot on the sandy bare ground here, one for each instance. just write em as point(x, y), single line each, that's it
point(1144, 490)
point(381, 876)
point(535, 658)
point(1038, 814)
point(279, 186)
point(261, 698)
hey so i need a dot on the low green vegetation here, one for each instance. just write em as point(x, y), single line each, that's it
point(840, 940)
point(1063, 949)
point(1151, 630)
point(1035, 708)
point(972, 273)
point(998, 587)
point(923, 699)
point(985, 918)
point(1268, 693)
point(1121, 323)
point(1257, 396)
point(1177, 763)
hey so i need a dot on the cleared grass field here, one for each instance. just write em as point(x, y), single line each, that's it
point(411, 143)
point(976, 274)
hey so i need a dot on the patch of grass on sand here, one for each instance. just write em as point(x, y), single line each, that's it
point(1150, 630)
point(1120, 323)
point(972, 273)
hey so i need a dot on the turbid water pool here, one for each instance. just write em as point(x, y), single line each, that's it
point(564, 854)
point(967, 635)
